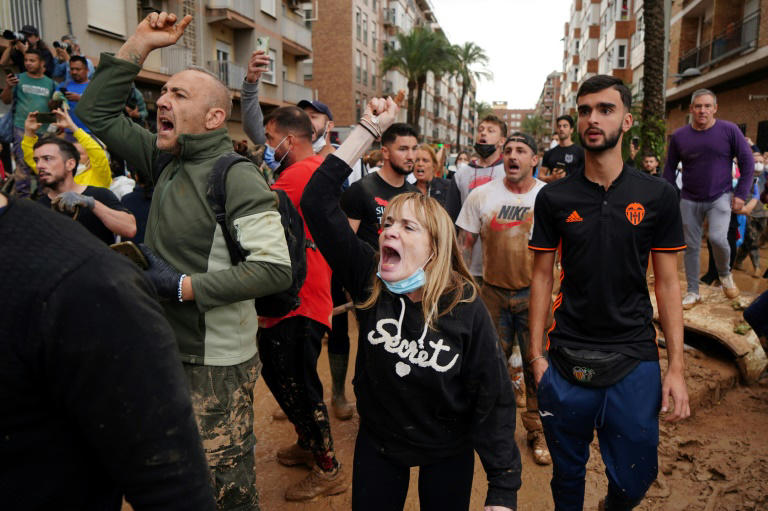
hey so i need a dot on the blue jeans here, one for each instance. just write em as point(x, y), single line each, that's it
point(757, 315)
point(626, 418)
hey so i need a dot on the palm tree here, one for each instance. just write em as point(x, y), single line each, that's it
point(536, 126)
point(416, 54)
point(482, 109)
point(652, 125)
point(467, 56)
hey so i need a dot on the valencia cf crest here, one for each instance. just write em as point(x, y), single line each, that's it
point(583, 374)
point(568, 158)
point(635, 213)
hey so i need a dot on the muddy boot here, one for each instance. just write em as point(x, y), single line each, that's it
point(515, 368)
point(295, 455)
point(318, 483)
point(616, 503)
point(539, 448)
point(342, 409)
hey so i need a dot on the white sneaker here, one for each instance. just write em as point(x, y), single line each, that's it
point(690, 299)
point(729, 287)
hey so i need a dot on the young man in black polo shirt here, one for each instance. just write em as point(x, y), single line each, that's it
point(606, 221)
point(566, 157)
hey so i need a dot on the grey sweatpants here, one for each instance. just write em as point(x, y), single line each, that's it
point(718, 215)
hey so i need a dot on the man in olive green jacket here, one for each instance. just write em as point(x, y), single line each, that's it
point(208, 302)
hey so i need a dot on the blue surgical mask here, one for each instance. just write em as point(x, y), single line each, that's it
point(408, 284)
point(269, 155)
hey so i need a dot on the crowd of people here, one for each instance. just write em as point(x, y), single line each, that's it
point(134, 377)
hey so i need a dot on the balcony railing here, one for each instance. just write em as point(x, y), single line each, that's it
point(296, 32)
point(295, 92)
point(736, 38)
point(245, 7)
point(175, 59)
point(228, 72)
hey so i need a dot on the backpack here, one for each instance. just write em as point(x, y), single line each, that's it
point(275, 305)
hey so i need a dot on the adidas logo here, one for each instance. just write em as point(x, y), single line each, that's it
point(574, 217)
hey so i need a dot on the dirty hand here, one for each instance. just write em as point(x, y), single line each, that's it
point(539, 367)
point(497, 508)
point(31, 125)
point(159, 29)
point(68, 201)
point(258, 64)
point(164, 276)
point(386, 110)
point(737, 203)
point(674, 387)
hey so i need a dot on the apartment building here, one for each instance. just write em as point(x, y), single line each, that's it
point(721, 45)
point(514, 117)
point(350, 40)
point(548, 104)
point(602, 37)
point(220, 38)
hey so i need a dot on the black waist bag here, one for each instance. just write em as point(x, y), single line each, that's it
point(590, 368)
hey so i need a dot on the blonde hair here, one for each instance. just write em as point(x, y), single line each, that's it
point(432, 155)
point(447, 276)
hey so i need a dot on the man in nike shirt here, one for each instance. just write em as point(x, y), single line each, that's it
point(491, 133)
point(501, 214)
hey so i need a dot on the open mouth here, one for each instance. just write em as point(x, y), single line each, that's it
point(514, 166)
point(164, 125)
point(389, 258)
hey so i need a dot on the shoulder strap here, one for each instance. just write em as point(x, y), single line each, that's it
point(217, 198)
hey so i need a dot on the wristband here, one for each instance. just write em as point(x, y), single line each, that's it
point(181, 279)
point(534, 359)
point(369, 130)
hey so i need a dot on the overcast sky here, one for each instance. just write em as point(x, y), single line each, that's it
point(521, 37)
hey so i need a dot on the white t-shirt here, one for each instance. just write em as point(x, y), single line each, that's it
point(467, 179)
point(504, 220)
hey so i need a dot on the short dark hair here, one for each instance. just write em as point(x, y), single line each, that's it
point(293, 120)
point(399, 129)
point(565, 117)
point(78, 58)
point(495, 120)
point(34, 51)
point(650, 155)
point(67, 149)
point(602, 82)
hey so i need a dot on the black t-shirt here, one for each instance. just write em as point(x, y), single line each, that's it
point(571, 158)
point(138, 202)
point(366, 199)
point(606, 239)
point(86, 216)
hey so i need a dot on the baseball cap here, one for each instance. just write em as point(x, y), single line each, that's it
point(30, 30)
point(522, 138)
point(320, 107)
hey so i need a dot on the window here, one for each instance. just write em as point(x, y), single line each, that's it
point(357, 65)
point(269, 75)
point(365, 29)
point(373, 35)
point(358, 23)
point(365, 69)
point(106, 15)
point(358, 111)
point(268, 6)
point(621, 59)
point(373, 73)
point(577, 46)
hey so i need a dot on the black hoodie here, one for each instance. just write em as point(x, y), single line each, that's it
point(422, 394)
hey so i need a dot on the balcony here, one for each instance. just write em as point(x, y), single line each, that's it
point(228, 72)
point(170, 60)
point(295, 92)
point(298, 37)
point(235, 14)
point(736, 39)
point(390, 18)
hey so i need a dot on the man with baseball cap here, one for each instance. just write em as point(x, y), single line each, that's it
point(322, 124)
point(501, 213)
point(14, 53)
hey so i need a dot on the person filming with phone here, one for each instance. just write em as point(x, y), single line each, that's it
point(29, 92)
point(566, 157)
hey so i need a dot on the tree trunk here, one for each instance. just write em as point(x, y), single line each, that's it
point(461, 114)
point(652, 129)
point(411, 101)
point(417, 111)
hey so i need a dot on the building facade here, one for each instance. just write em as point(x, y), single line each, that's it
point(721, 45)
point(513, 117)
point(221, 37)
point(548, 104)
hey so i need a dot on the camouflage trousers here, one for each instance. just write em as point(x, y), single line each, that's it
point(751, 245)
point(222, 397)
point(509, 312)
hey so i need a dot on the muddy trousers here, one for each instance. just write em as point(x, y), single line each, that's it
point(289, 352)
point(757, 315)
point(509, 312)
point(626, 418)
point(381, 484)
point(718, 214)
point(222, 397)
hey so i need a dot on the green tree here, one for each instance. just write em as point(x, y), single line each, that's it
point(415, 55)
point(536, 126)
point(482, 109)
point(468, 56)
